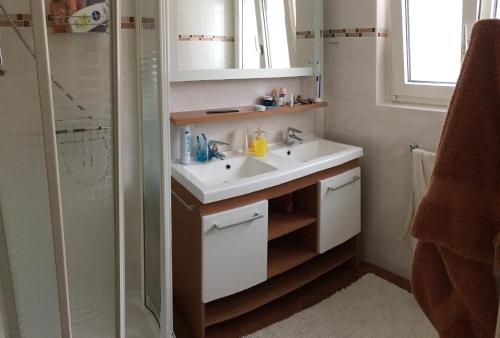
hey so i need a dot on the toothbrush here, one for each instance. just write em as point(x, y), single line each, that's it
point(207, 150)
point(198, 149)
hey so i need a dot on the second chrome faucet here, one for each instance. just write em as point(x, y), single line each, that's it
point(291, 136)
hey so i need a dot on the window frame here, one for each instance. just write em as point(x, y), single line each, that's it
point(422, 92)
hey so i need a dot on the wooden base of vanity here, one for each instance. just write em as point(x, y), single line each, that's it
point(233, 306)
point(292, 258)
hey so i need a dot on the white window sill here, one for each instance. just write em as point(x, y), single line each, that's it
point(414, 106)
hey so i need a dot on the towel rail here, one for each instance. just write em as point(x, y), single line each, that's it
point(414, 146)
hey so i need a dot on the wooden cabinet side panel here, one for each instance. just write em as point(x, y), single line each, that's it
point(186, 266)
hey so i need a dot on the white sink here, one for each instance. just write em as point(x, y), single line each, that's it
point(311, 150)
point(224, 172)
point(240, 175)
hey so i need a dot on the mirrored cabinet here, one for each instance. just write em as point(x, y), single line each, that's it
point(231, 39)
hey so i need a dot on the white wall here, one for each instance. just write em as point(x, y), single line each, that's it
point(354, 82)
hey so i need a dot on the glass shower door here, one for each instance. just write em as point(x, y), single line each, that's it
point(84, 82)
point(28, 286)
point(81, 63)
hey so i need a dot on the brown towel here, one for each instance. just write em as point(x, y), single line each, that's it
point(458, 222)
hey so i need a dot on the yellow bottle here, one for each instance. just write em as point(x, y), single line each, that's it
point(260, 144)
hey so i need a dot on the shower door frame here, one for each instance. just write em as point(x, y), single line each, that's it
point(163, 42)
point(40, 37)
point(167, 329)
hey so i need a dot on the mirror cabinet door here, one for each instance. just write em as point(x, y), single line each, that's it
point(238, 37)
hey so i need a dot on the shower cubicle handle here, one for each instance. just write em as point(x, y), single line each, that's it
point(2, 66)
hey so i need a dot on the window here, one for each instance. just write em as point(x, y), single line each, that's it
point(266, 33)
point(251, 55)
point(429, 41)
point(433, 40)
point(277, 35)
point(490, 9)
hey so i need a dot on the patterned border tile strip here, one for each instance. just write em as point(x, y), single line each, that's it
point(148, 23)
point(354, 33)
point(205, 37)
point(305, 35)
point(24, 20)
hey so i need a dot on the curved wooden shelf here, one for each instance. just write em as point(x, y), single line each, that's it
point(236, 305)
point(198, 117)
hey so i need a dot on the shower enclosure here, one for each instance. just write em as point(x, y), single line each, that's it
point(60, 184)
point(62, 236)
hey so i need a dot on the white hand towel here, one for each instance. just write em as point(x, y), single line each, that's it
point(423, 165)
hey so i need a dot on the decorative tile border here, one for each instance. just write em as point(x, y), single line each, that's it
point(205, 37)
point(129, 22)
point(345, 33)
point(305, 35)
point(148, 23)
point(25, 20)
point(354, 33)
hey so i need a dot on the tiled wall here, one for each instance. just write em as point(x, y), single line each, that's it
point(356, 89)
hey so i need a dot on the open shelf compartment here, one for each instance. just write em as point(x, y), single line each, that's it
point(282, 223)
point(286, 253)
point(292, 212)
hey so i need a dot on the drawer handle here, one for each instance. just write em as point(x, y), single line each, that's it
point(255, 217)
point(354, 179)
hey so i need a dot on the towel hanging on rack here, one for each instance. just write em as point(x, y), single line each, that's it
point(423, 164)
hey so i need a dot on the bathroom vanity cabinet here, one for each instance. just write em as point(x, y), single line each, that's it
point(233, 256)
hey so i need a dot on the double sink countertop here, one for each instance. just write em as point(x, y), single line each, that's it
point(239, 174)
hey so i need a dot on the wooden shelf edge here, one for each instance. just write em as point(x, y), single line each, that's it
point(198, 117)
point(246, 301)
point(281, 224)
point(285, 254)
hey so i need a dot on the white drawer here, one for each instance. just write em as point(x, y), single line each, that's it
point(340, 209)
point(234, 250)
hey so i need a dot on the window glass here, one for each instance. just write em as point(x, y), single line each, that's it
point(250, 36)
point(434, 40)
point(277, 33)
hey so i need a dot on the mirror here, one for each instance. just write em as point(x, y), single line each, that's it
point(223, 39)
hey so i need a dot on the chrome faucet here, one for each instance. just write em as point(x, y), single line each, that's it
point(213, 149)
point(291, 137)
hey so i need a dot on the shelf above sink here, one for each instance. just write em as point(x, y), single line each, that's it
point(186, 118)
